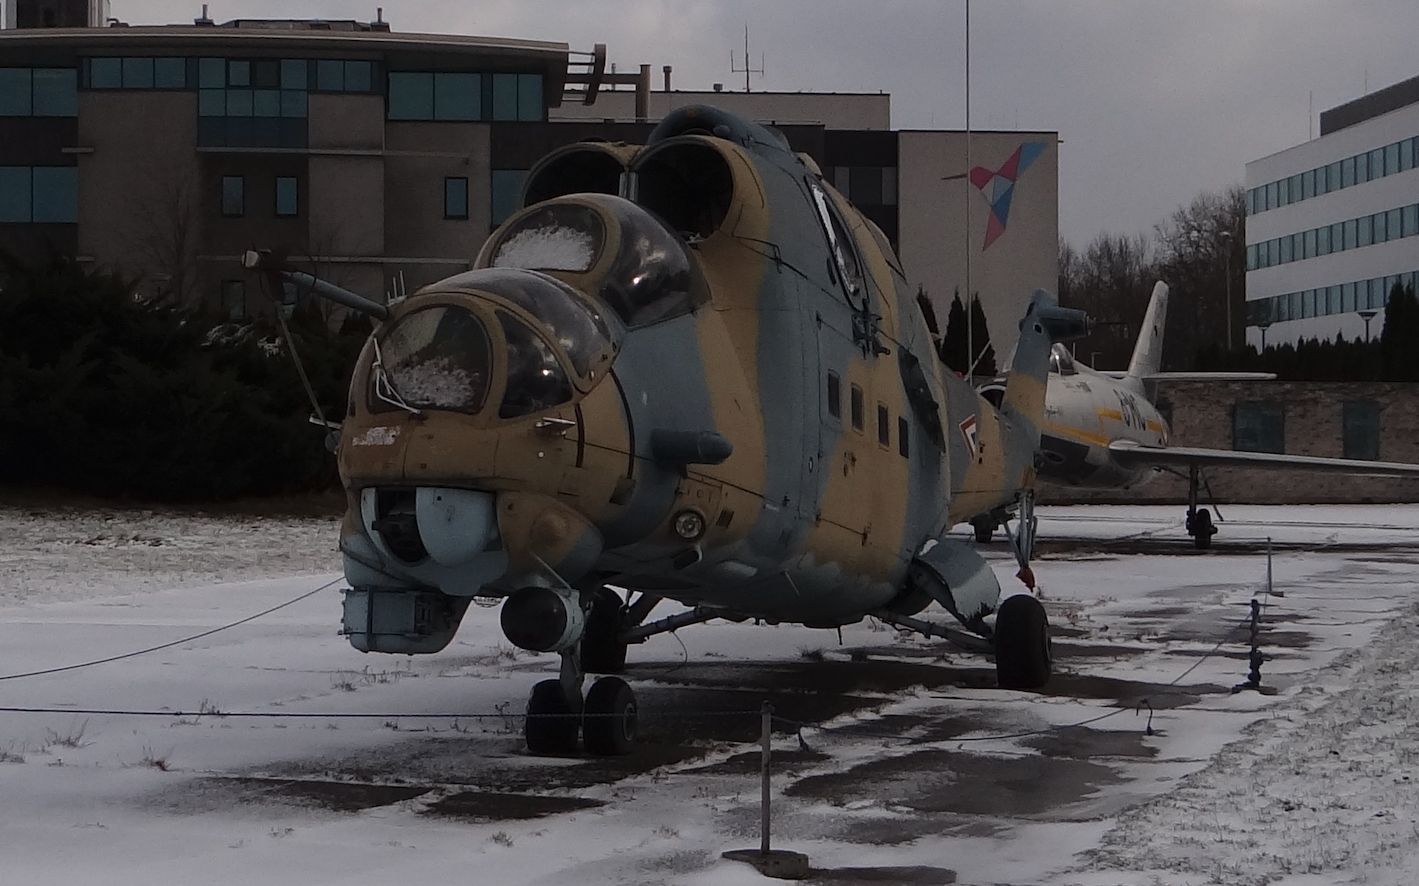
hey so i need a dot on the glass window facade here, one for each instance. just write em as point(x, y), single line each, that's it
point(1357, 295)
point(16, 195)
point(458, 97)
point(39, 92)
point(288, 202)
point(233, 196)
point(136, 72)
point(411, 96)
point(506, 193)
point(39, 194)
point(56, 194)
point(1355, 233)
point(451, 96)
point(241, 102)
point(455, 197)
point(1380, 162)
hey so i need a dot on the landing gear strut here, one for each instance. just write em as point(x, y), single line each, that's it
point(1023, 657)
point(1199, 520)
point(1022, 540)
point(608, 718)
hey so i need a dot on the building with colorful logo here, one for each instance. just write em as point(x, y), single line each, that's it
point(384, 159)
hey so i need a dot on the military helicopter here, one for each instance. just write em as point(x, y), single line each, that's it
point(689, 370)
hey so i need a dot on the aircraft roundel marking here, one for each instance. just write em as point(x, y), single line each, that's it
point(972, 435)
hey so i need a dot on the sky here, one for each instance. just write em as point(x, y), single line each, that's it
point(1156, 101)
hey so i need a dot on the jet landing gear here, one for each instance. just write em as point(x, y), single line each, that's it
point(1199, 520)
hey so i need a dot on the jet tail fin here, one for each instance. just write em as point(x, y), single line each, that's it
point(1045, 323)
point(1148, 352)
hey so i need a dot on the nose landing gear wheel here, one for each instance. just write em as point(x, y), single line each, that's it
point(1023, 657)
point(551, 726)
point(611, 718)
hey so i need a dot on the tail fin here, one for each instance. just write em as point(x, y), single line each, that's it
point(1045, 323)
point(1148, 352)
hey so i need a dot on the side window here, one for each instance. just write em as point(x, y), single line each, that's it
point(884, 426)
point(835, 395)
point(857, 408)
point(903, 436)
point(844, 257)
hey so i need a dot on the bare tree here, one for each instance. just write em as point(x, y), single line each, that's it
point(1196, 252)
point(1203, 259)
point(166, 232)
point(1111, 280)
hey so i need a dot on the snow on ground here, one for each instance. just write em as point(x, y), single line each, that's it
point(913, 767)
point(71, 553)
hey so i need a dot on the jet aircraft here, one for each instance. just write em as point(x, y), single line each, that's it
point(1103, 431)
point(689, 370)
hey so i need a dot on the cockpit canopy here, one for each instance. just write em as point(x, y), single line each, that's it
point(606, 246)
point(521, 335)
point(1061, 362)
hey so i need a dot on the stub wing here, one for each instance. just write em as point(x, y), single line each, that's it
point(1136, 455)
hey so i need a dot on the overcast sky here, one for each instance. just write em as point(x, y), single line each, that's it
point(1156, 100)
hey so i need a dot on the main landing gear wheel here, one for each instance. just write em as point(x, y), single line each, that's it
point(1022, 648)
point(551, 726)
point(985, 529)
point(611, 718)
point(1201, 528)
point(602, 651)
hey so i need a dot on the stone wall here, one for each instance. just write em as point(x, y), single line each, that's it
point(1202, 416)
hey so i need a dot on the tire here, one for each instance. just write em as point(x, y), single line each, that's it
point(1023, 659)
point(1202, 529)
point(601, 652)
point(551, 725)
point(985, 530)
point(611, 718)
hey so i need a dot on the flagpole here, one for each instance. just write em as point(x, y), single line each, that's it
point(970, 296)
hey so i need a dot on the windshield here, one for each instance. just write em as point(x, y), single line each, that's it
point(437, 358)
point(535, 380)
point(1061, 361)
point(570, 321)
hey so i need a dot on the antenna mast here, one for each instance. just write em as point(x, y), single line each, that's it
point(748, 68)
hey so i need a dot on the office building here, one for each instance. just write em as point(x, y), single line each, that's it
point(1333, 224)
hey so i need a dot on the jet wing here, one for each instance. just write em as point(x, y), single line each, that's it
point(1131, 454)
point(1192, 376)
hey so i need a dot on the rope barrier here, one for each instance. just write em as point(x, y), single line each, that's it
point(112, 658)
point(797, 725)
